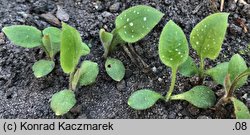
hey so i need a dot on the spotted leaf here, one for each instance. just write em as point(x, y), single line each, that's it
point(241, 111)
point(24, 36)
point(115, 69)
point(199, 96)
point(208, 35)
point(62, 102)
point(173, 46)
point(143, 99)
point(135, 23)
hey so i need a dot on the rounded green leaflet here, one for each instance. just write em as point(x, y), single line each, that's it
point(208, 35)
point(54, 33)
point(143, 99)
point(115, 69)
point(236, 66)
point(54, 38)
point(84, 49)
point(42, 68)
point(89, 71)
point(241, 111)
point(136, 22)
point(173, 45)
point(188, 68)
point(24, 36)
point(71, 48)
point(219, 72)
point(62, 102)
point(199, 96)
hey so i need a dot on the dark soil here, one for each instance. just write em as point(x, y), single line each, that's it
point(24, 96)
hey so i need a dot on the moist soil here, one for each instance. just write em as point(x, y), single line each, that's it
point(24, 96)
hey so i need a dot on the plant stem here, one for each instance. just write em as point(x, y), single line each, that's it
point(46, 52)
point(145, 66)
point(171, 88)
point(201, 72)
point(71, 76)
point(125, 48)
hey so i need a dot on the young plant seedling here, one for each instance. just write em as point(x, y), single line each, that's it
point(30, 37)
point(232, 75)
point(72, 48)
point(132, 25)
point(206, 39)
point(173, 51)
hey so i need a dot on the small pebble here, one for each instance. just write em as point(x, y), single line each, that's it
point(154, 69)
point(115, 7)
point(121, 86)
point(50, 18)
point(61, 14)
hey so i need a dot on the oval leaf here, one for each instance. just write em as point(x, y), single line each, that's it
point(236, 66)
point(218, 73)
point(143, 99)
point(84, 49)
point(199, 96)
point(136, 22)
point(42, 68)
point(208, 35)
point(89, 71)
point(71, 48)
point(188, 68)
point(54, 33)
point(115, 69)
point(62, 101)
point(241, 111)
point(173, 46)
point(24, 36)
point(106, 39)
point(54, 38)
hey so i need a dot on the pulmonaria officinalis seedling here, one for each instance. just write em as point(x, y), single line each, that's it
point(173, 51)
point(30, 37)
point(206, 39)
point(132, 25)
point(72, 48)
point(232, 75)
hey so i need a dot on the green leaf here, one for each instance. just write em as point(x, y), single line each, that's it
point(199, 96)
point(173, 46)
point(42, 68)
point(241, 111)
point(54, 38)
point(62, 101)
point(71, 48)
point(136, 22)
point(24, 36)
point(218, 73)
point(54, 33)
point(143, 99)
point(89, 71)
point(115, 69)
point(208, 35)
point(106, 39)
point(188, 68)
point(236, 66)
point(84, 49)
